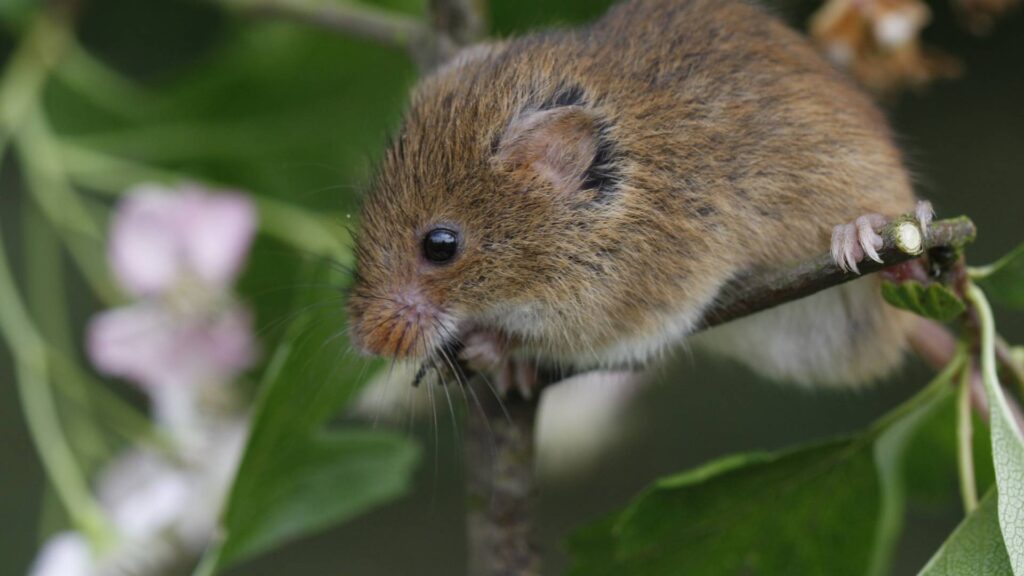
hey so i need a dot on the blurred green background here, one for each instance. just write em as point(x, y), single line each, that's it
point(299, 114)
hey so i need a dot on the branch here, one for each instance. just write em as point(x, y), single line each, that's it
point(500, 489)
point(499, 444)
point(463, 21)
point(756, 292)
point(385, 27)
point(453, 24)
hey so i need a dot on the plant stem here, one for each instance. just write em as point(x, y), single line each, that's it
point(756, 292)
point(27, 71)
point(41, 414)
point(210, 560)
point(964, 436)
point(52, 191)
point(288, 223)
point(378, 25)
point(989, 374)
point(44, 282)
point(500, 488)
point(119, 415)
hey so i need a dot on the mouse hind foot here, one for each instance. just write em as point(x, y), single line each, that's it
point(853, 241)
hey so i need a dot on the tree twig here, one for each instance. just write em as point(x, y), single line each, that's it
point(452, 23)
point(500, 490)
point(756, 292)
point(385, 27)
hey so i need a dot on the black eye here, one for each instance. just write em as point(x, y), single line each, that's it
point(440, 245)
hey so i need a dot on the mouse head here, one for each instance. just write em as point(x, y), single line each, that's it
point(489, 210)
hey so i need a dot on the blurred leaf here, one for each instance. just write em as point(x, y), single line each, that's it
point(1004, 280)
point(934, 301)
point(790, 513)
point(976, 547)
point(1007, 443)
point(16, 13)
point(314, 484)
point(521, 16)
point(930, 462)
point(296, 477)
point(280, 109)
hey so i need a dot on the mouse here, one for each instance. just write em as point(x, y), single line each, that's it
point(579, 197)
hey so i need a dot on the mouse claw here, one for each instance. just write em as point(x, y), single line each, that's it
point(925, 213)
point(484, 350)
point(853, 241)
point(519, 375)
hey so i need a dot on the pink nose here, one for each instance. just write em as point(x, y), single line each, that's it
point(401, 327)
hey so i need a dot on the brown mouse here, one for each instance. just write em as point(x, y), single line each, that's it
point(587, 193)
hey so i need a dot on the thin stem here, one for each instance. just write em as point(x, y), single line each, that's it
point(965, 447)
point(756, 292)
point(102, 86)
point(26, 73)
point(1000, 405)
point(288, 223)
point(119, 415)
point(41, 413)
point(501, 489)
point(210, 560)
point(382, 26)
point(51, 188)
point(20, 89)
point(464, 21)
point(44, 282)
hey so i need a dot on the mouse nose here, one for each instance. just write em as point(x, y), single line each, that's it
point(401, 325)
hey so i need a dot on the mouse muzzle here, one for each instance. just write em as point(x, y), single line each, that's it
point(402, 324)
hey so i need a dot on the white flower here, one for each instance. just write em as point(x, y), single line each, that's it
point(65, 554)
point(149, 497)
point(143, 494)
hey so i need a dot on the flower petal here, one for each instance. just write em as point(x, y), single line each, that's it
point(216, 233)
point(143, 494)
point(135, 343)
point(65, 554)
point(144, 248)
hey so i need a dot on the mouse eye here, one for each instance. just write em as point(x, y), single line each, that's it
point(440, 245)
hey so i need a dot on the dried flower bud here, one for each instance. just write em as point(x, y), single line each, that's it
point(878, 41)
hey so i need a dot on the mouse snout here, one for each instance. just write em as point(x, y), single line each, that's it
point(400, 325)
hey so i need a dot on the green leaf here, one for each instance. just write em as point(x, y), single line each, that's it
point(1007, 443)
point(976, 547)
point(790, 513)
point(315, 484)
point(296, 477)
point(16, 13)
point(931, 459)
point(934, 301)
point(1004, 280)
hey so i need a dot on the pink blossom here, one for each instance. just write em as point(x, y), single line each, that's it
point(156, 346)
point(161, 236)
point(178, 251)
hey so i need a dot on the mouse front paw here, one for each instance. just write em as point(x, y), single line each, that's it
point(853, 241)
point(490, 353)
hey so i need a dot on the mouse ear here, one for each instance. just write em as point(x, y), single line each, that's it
point(558, 145)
